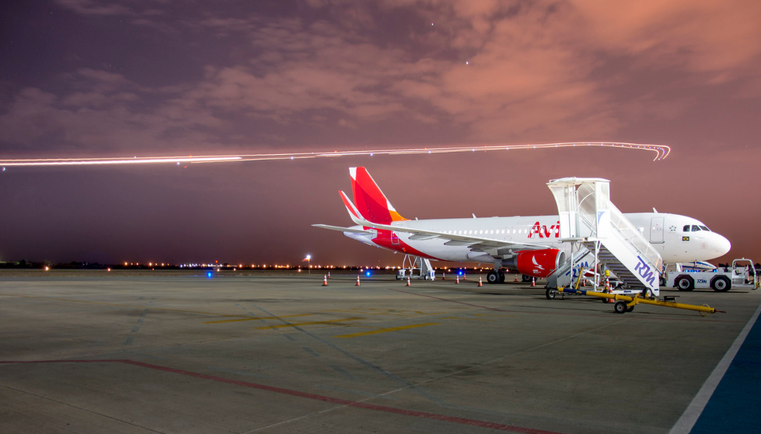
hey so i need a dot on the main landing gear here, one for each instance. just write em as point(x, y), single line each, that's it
point(495, 277)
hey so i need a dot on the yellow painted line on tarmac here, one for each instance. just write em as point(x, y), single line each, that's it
point(386, 330)
point(125, 305)
point(330, 321)
point(257, 318)
point(370, 313)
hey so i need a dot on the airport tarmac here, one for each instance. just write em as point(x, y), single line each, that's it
point(94, 352)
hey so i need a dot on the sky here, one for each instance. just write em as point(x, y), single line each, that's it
point(90, 78)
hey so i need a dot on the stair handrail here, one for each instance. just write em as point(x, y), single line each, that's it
point(634, 237)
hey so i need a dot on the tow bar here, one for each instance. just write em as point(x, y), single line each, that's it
point(625, 303)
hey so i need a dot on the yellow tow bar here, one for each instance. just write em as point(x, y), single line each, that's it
point(625, 303)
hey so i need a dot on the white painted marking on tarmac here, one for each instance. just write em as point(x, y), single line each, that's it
point(695, 409)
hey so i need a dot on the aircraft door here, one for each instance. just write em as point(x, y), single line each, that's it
point(394, 239)
point(656, 230)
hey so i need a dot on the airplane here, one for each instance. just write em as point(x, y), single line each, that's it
point(531, 244)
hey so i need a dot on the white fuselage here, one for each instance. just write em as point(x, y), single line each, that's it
point(664, 231)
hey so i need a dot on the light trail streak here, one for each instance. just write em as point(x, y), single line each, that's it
point(97, 161)
point(661, 152)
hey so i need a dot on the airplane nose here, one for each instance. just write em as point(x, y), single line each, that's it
point(722, 245)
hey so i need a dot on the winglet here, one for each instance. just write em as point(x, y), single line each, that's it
point(354, 213)
point(370, 201)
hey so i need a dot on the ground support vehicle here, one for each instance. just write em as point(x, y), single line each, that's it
point(742, 274)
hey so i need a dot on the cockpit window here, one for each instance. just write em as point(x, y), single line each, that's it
point(695, 228)
point(686, 228)
point(705, 228)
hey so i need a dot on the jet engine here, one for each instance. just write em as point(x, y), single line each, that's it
point(537, 263)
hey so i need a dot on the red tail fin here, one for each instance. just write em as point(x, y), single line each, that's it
point(370, 200)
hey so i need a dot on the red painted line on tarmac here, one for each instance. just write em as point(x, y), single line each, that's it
point(554, 313)
point(348, 403)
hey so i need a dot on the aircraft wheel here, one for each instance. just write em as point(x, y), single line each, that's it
point(721, 284)
point(501, 277)
point(620, 307)
point(684, 283)
point(550, 293)
point(525, 278)
point(492, 277)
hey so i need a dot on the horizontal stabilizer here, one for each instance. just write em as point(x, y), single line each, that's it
point(342, 229)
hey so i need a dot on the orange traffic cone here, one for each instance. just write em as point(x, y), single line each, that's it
point(464, 276)
point(609, 290)
point(533, 281)
point(325, 281)
point(328, 274)
point(458, 279)
point(480, 283)
point(516, 277)
point(408, 281)
point(443, 276)
point(357, 281)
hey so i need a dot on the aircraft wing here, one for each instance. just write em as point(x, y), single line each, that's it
point(474, 242)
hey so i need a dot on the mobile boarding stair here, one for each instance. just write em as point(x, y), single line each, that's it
point(590, 221)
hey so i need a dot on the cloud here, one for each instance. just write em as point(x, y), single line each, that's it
point(110, 114)
point(539, 70)
point(94, 7)
point(718, 37)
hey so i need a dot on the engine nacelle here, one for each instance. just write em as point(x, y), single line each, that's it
point(537, 263)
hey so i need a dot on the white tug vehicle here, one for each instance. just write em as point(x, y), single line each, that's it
point(742, 274)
